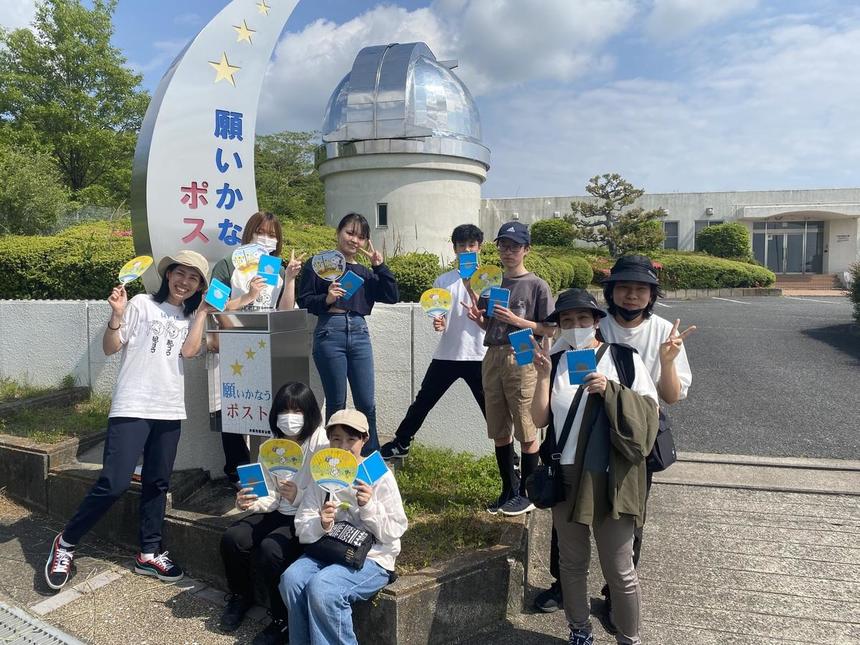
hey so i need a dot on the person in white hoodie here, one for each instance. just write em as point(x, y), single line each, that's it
point(268, 533)
point(319, 595)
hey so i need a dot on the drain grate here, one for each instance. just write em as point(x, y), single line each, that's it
point(18, 627)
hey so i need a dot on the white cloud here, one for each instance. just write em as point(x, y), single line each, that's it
point(499, 43)
point(674, 19)
point(780, 112)
point(164, 53)
point(15, 14)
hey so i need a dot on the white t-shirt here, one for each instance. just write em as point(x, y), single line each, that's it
point(646, 338)
point(563, 393)
point(151, 380)
point(240, 283)
point(462, 339)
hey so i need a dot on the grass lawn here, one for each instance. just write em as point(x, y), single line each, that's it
point(445, 494)
point(51, 424)
point(11, 390)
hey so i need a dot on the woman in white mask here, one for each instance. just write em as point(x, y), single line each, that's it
point(609, 430)
point(268, 532)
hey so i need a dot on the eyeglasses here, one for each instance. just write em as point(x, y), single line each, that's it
point(506, 247)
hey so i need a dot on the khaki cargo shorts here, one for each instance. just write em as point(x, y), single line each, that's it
point(508, 392)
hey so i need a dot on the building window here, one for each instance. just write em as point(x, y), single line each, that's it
point(381, 215)
point(670, 230)
point(703, 224)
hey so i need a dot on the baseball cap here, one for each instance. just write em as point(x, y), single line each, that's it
point(575, 299)
point(351, 418)
point(186, 258)
point(633, 268)
point(514, 231)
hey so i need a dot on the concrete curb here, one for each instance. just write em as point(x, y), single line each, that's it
point(779, 462)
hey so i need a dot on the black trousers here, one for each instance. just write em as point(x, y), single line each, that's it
point(638, 533)
point(271, 539)
point(126, 439)
point(440, 376)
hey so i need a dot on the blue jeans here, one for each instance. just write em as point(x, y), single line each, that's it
point(319, 597)
point(342, 352)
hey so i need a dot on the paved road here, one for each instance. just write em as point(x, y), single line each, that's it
point(772, 376)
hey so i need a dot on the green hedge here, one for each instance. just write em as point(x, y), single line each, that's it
point(854, 290)
point(415, 273)
point(694, 271)
point(552, 232)
point(728, 240)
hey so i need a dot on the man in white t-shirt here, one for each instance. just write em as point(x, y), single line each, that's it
point(458, 355)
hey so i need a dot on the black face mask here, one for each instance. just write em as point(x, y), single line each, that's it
point(628, 314)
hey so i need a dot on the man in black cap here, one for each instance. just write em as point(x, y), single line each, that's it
point(630, 292)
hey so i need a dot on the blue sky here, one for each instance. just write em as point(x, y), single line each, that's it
point(676, 95)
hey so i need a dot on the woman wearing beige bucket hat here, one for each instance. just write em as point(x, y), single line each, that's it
point(153, 332)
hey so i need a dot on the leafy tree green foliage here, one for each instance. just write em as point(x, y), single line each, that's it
point(32, 195)
point(552, 232)
point(611, 222)
point(64, 88)
point(854, 289)
point(288, 184)
point(729, 240)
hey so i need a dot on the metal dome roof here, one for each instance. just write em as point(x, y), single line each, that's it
point(400, 91)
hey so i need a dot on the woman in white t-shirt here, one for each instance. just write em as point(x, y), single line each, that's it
point(154, 333)
point(249, 291)
point(269, 533)
point(602, 463)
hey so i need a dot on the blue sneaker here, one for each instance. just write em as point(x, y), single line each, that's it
point(580, 637)
point(516, 505)
point(160, 567)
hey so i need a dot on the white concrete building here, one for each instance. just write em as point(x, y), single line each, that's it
point(793, 231)
point(402, 145)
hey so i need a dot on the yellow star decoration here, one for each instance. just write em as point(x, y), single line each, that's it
point(244, 33)
point(262, 344)
point(263, 8)
point(224, 70)
point(237, 368)
point(250, 353)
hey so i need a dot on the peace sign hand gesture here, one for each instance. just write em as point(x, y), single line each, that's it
point(294, 266)
point(670, 349)
point(543, 363)
point(374, 255)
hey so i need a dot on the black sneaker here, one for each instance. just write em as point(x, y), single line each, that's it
point(277, 633)
point(549, 600)
point(580, 637)
point(394, 450)
point(59, 564)
point(160, 566)
point(516, 505)
point(493, 507)
point(234, 612)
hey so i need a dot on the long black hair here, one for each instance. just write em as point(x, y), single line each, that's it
point(612, 308)
point(294, 395)
point(363, 224)
point(189, 305)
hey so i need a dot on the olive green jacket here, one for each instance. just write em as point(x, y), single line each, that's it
point(608, 474)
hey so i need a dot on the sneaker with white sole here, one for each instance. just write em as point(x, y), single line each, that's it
point(161, 567)
point(59, 564)
point(394, 450)
point(516, 505)
point(580, 637)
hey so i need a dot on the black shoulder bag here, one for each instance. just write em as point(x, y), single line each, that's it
point(544, 486)
point(345, 544)
point(663, 454)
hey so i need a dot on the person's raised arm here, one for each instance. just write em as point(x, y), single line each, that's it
point(111, 340)
point(194, 339)
point(288, 295)
point(543, 366)
point(669, 385)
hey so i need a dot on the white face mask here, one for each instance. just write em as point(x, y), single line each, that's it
point(268, 243)
point(291, 423)
point(579, 337)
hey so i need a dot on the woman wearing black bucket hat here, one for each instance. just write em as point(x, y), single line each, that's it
point(602, 462)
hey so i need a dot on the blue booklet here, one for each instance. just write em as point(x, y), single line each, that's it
point(251, 476)
point(521, 341)
point(499, 296)
point(217, 294)
point(269, 268)
point(580, 363)
point(467, 264)
point(371, 469)
point(350, 282)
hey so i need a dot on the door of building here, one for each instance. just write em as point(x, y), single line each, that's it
point(789, 247)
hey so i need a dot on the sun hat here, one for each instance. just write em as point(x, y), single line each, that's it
point(350, 418)
point(186, 258)
point(633, 268)
point(575, 299)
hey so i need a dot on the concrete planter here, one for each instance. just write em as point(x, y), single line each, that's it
point(64, 397)
point(24, 465)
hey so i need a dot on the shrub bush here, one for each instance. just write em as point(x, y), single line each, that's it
point(552, 232)
point(729, 240)
point(854, 289)
point(415, 273)
point(696, 271)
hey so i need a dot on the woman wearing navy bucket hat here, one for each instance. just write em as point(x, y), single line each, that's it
point(602, 430)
